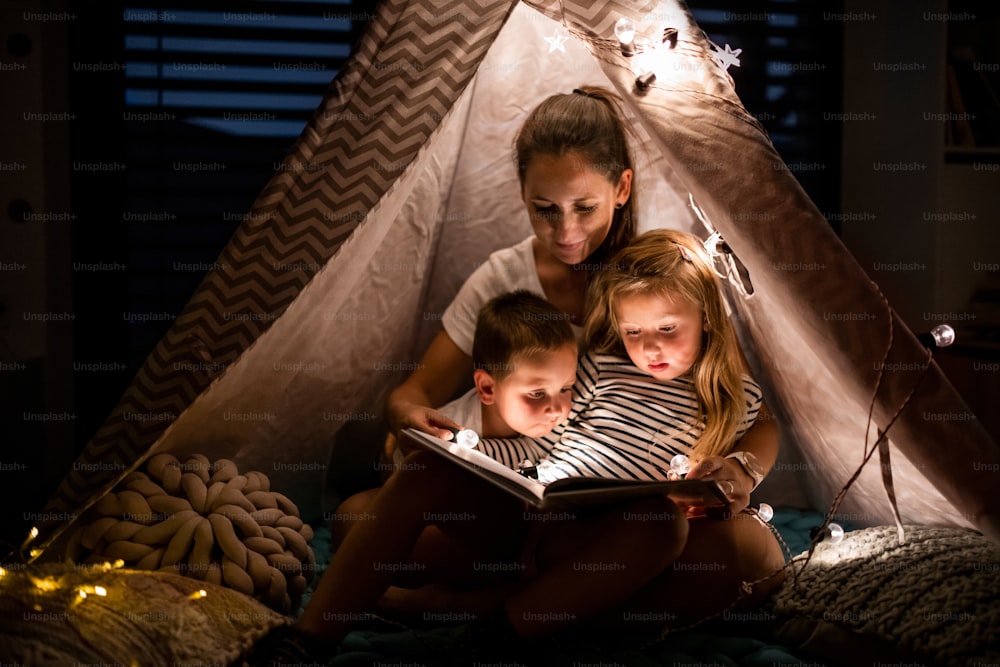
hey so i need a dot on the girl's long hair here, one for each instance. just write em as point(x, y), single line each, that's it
point(675, 265)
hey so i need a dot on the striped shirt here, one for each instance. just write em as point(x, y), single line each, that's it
point(622, 424)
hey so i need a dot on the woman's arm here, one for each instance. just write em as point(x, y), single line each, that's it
point(440, 374)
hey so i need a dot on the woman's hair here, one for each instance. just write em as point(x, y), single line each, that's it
point(675, 265)
point(590, 123)
point(518, 323)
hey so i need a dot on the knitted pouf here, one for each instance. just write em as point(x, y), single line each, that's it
point(934, 599)
point(67, 614)
point(203, 520)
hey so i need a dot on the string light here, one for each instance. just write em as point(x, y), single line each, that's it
point(765, 512)
point(680, 465)
point(832, 533)
point(625, 32)
point(467, 438)
point(940, 336)
point(32, 534)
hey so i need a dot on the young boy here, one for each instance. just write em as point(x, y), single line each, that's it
point(524, 354)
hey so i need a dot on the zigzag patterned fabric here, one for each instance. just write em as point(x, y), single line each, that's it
point(379, 111)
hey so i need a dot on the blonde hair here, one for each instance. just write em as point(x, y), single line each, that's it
point(675, 265)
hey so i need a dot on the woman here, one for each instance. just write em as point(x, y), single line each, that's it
point(576, 177)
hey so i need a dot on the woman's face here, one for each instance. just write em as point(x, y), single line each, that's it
point(571, 205)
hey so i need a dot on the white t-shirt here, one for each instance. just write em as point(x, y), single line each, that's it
point(506, 270)
point(466, 410)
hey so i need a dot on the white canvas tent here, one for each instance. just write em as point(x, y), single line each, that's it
point(403, 182)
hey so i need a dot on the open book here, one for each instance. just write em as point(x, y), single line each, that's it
point(569, 491)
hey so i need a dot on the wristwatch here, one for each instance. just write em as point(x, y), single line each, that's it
point(750, 465)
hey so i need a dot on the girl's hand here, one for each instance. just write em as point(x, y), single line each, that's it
point(731, 477)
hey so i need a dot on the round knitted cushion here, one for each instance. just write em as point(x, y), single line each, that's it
point(934, 599)
point(203, 520)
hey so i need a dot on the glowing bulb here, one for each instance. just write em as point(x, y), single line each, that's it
point(835, 532)
point(3, 572)
point(943, 335)
point(680, 464)
point(32, 534)
point(83, 593)
point(940, 336)
point(467, 438)
point(100, 590)
point(625, 32)
point(765, 512)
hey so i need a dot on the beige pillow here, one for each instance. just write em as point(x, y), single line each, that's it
point(124, 617)
point(932, 600)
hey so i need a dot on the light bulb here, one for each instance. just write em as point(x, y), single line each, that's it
point(940, 336)
point(765, 512)
point(943, 335)
point(680, 464)
point(467, 438)
point(625, 32)
point(833, 532)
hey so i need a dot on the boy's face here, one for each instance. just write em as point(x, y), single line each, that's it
point(537, 394)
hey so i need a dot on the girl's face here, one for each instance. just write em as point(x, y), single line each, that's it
point(571, 205)
point(662, 336)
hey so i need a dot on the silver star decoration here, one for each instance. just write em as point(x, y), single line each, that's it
point(557, 40)
point(728, 58)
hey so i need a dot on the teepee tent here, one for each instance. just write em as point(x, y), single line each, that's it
point(402, 183)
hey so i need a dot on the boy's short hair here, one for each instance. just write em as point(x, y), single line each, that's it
point(518, 322)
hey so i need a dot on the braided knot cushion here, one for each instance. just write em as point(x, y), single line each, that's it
point(934, 599)
point(203, 520)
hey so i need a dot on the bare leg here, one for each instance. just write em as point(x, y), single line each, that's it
point(430, 491)
point(709, 578)
point(595, 561)
point(352, 510)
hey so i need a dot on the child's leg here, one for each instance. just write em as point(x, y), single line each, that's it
point(428, 491)
point(351, 511)
point(710, 577)
point(591, 560)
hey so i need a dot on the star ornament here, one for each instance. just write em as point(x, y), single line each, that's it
point(558, 40)
point(728, 58)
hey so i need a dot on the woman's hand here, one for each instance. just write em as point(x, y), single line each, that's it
point(440, 374)
point(424, 419)
point(730, 476)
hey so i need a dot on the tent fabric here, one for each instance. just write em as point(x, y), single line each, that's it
point(402, 183)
